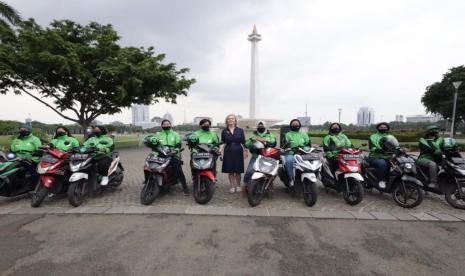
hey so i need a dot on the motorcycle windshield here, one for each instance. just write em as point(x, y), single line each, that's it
point(267, 165)
point(389, 143)
point(48, 159)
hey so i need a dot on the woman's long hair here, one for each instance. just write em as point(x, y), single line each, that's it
point(226, 120)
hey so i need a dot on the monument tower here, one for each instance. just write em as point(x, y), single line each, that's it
point(254, 38)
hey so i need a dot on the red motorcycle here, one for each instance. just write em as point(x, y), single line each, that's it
point(54, 172)
point(347, 178)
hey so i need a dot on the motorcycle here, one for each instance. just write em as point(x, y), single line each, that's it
point(265, 171)
point(159, 174)
point(85, 177)
point(347, 178)
point(203, 162)
point(54, 172)
point(307, 165)
point(406, 189)
point(15, 178)
point(451, 179)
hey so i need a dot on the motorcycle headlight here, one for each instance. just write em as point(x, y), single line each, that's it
point(41, 170)
point(353, 168)
point(202, 163)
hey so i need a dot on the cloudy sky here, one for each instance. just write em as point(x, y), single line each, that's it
point(327, 54)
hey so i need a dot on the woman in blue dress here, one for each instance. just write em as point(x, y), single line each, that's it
point(233, 140)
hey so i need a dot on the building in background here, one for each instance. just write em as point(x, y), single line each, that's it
point(422, 118)
point(365, 116)
point(305, 121)
point(197, 119)
point(141, 116)
point(400, 118)
point(156, 120)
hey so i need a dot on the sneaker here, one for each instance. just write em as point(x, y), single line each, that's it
point(232, 190)
point(104, 181)
point(185, 191)
point(433, 185)
point(238, 189)
point(382, 184)
point(291, 183)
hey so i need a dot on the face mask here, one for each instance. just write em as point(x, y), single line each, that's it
point(98, 133)
point(166, 128)
point(261, 129)
point(23, 133)
point(59, 134)
point(383, 130)
point(295, 128)
point(335, 130)
point(206, 128)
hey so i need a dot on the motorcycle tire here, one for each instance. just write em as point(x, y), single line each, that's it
point(453, 197)
point(38, 195)
point(401, 198)
point(310, 192)
point(77, 192)
point(150, 191)
point(255, 191)
point(355, 196)
point(204, 190)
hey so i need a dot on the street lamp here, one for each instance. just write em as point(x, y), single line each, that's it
point(456, 86)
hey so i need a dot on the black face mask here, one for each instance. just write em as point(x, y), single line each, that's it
point(261, 129)
point(59, 134)
point(383, 130)
point(166, 128)
point(334, 130)
point(206, 128)
point(24, 133)
point(98, 134)
point(295, 128)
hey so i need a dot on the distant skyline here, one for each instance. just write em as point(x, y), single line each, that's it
point(327, 54)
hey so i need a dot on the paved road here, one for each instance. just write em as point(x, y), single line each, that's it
point(128, 195)
point(205, 245)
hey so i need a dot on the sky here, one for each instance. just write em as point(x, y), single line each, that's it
point(326, 54)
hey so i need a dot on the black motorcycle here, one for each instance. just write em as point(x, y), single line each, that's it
point(15, 178)
point(451, 179)
point(406, 189)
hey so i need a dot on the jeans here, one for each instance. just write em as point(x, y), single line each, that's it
point(32, 169)
point(381, 168)
point(289, 166)
point(432, 169)
point(249, 171)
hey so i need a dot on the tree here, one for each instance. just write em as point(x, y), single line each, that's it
point(84, 71)
point(439, 96)
point(8, 16)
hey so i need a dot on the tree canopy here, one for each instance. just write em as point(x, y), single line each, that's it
point(83, 70)
point(439, 96)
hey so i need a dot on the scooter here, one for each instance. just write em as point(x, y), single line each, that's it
point(406, 189)
point(265, 171)
point(203, 163)
point(307, 165)
point(85, 178)
point(451, 179)
point(347, 178)
point(15, 178)
point(159, 174)
point(54, 172)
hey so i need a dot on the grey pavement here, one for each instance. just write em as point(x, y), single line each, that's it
point(159, 244)
point(278, 202)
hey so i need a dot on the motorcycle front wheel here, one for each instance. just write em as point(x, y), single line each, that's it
point(77, 192)
point(310, 192)
point(409, 197)
point(39, 194)
point(150, 191)
point(255, 191)
point(453, 197)
point(354, 195)
point(204, 190)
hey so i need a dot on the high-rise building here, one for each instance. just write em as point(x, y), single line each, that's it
point(400, 118)
point(140, 114)
point(305, 121)
point(365, 116)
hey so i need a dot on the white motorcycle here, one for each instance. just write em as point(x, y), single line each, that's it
point(307, 166)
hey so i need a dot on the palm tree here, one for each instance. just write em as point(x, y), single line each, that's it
point(8, 16)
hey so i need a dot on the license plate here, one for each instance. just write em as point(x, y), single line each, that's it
point(48, 159)
point(79, 156)
point(157, 159)
point(351, 157)
point(311, 156)
point(201, 155)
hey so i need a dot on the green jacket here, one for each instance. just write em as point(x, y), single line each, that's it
point(168, 138)
point(332, 143)
point(96, 142)
point(268, 136)
point(430, 149)
point(65, 143)
point(205, 137)
point(25, 146)
point(297, 139)
point(375, 147)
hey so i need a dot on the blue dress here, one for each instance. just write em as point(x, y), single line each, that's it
point(233, 157)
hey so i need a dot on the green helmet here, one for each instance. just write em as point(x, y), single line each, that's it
point(450, 143)
point(192, 138)
point(150, 140)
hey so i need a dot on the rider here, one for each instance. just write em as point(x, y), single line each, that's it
point(24, 146)
point(378, 159)
point(204, 136)
point(170, 138)
point(63, 140)
point(294, 139)
point(333, 142)
point(263, 135)
point(431, 148)
point(105, 145)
